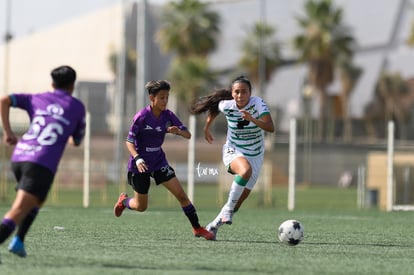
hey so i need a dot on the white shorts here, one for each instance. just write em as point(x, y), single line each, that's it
point(230, 153)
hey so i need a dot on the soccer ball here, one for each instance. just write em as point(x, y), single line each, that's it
point(291, 232)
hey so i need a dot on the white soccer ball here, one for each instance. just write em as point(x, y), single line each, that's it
point(291, 232)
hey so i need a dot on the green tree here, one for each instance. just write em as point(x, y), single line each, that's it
point(189, 30)
point(392, 89)
point(410, 39)
point(323, 39)
point(259, 41)
point(389, 103)
point(130, 63)
point(349, 75)
point(190, 74)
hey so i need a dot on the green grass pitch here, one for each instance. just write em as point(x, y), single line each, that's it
point(339, 239)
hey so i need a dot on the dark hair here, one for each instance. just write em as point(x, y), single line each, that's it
point(154, 86)
point(210, 102)
point(63, 77)
point(242, 79)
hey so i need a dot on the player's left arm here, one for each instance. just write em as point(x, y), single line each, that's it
point(71, 141)
point(79, 134)
point(183, 131)
point(265, 121)
point(178, 127)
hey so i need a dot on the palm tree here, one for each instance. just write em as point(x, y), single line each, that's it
point(190, 74)
point(323, 40)
point(410, 39)
point(188, 27)
point(349, 75)
point(130, 63)
point(252, 49)
point(189, 31)
point(392, 88)
point(390, 103)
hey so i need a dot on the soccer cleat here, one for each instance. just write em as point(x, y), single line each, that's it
point(202, 232)
point(227, 217)
point(119, 206)
point(212, 229)
point(16, 246)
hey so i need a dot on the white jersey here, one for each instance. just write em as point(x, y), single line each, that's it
point(244, 135)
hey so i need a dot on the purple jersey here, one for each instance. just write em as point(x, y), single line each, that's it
point(54, 117)
point(147, 133)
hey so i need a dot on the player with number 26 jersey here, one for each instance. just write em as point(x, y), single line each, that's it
point(54, 117)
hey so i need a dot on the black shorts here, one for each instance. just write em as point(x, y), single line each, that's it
point(141, 182)
point(33, 178)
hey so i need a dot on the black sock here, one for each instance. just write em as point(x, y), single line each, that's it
point(191, 214)
point(26, 223)
point(7, 227)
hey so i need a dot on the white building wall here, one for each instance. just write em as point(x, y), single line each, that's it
point(84, 43)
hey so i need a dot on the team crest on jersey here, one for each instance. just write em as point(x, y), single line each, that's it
point(250, 109)
point(54, 110)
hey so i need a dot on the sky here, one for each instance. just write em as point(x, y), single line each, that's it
point(371, 21)
point(27, 16)
point(30, 15)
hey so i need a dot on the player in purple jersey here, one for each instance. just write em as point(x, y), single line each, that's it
point(55, 118)
point(145, 138)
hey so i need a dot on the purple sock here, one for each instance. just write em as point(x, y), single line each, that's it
point(126, 203)
point(191, 214)
point(9, 223)
point(7, 227)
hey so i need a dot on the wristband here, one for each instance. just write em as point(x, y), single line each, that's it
point(138, 160)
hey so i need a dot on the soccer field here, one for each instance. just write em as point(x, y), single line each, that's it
point(73, 240)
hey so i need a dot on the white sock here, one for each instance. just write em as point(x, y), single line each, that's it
point(234, 195)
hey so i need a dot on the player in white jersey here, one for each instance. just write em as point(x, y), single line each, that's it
point(248, 118)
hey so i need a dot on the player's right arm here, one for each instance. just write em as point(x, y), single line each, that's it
point(139, 162)
point(131, 148)
point(207, 134)
point(5, 104)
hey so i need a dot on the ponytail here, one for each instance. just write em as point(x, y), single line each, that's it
point(210, 102)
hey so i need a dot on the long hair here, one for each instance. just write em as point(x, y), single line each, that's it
point(210, 102)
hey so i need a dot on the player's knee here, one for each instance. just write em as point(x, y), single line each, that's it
point(246, 172)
